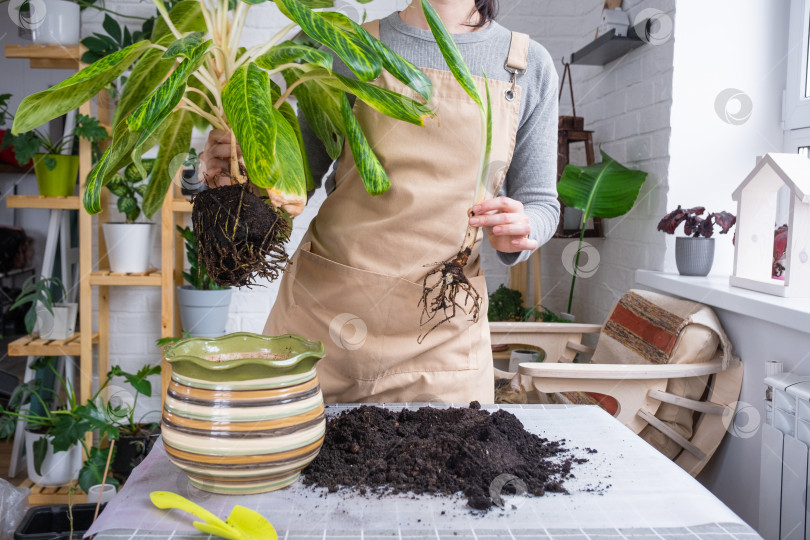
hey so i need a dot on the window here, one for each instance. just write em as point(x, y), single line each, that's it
point(797, 97)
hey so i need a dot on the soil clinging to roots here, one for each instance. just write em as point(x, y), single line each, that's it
point(240, 236)
point(440, 299)
point(440, 452)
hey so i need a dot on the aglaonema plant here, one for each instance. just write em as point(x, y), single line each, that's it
point(192, 71)
point(442, 285)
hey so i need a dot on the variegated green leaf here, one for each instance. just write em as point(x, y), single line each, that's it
point(114, 158)
point(387, 102)
point(247, 100)
point(289, 115)
point(368, 166)
point(289, 52)
point(184, 46)
point(57, 100)
point(458, 67)
point(359, 57)
point(401, 69)
point(288, 161)
point(153, 111)
point(174, 142)
point(152, 68)
point(321, 107)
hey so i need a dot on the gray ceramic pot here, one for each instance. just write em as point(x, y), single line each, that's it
point(203, 313)
point(694, 256)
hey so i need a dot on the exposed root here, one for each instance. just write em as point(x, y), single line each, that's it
point(440, 300)
point(240, 236)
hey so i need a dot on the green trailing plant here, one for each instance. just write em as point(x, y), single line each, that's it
point(197, 276)
point(130, 188)
point(37, 292)
point(67, 422)
point(603, 190)
point(30, 143)
point(114, 38)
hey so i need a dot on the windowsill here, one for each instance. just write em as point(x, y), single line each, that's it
point(716, 292)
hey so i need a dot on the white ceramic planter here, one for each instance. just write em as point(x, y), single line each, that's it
point(58, 468)
point(60, 325)
point(129, 246)
point(55, 22)
point(203, 313)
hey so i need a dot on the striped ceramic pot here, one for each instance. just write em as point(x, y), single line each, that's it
point(243, 412)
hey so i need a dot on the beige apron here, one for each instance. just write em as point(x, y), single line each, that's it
point(356, 281)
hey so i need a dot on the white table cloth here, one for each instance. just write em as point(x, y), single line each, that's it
point(626, 489)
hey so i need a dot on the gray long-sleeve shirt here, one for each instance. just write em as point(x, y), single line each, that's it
point(532, 175)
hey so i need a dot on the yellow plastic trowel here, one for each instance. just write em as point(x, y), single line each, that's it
point(242, 524)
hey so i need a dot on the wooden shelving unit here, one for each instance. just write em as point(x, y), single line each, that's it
point(33, 345)
point(42, 202)
point(95, 272)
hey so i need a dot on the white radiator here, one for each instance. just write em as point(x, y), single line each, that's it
point(784, 513)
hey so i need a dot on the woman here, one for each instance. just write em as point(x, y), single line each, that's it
point(356, 281)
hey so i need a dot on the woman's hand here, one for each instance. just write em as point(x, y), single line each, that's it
point(506, 224)
point(215, 165)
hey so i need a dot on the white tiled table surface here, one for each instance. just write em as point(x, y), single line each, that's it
point(625, 490)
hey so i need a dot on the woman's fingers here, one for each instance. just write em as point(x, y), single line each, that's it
point(501, 204)
point(524, 244)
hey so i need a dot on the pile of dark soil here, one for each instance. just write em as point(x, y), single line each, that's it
point(240, 235)
point(439, 451)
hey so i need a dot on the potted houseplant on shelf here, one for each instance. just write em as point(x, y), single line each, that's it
point(604, 190)
point(57, 424)
point(129, 242)
point(53, 320)
point(56, 171)
point(135, 436)
point(203, 304)
point(694, 253)
point(52, 445)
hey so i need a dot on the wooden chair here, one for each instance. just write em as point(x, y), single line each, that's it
point(639, 389)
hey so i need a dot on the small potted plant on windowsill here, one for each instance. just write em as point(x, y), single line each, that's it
point(694, 253)
point(203, 304)
point(56, 171)
point(129, 243)
point(53, 320)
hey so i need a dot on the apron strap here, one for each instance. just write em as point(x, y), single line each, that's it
point(517, 61)
point(373, 28)
point(518, 53)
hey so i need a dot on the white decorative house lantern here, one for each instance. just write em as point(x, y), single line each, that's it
point(757, 202)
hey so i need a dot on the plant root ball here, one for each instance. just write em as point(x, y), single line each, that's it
point(240, 236)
